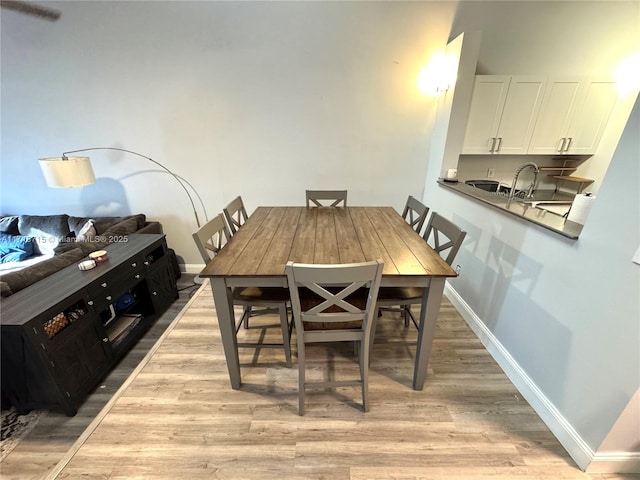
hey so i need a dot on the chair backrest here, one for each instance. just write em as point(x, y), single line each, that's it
point(336, 197)
point(334, 294)
point(443, 235)
point(211, 237)
point(235, 214)
point(415, 213)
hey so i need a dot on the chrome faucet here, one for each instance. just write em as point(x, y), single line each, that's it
point(529, 193)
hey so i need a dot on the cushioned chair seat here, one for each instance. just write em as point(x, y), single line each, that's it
point(262, 294)
point(400, 293)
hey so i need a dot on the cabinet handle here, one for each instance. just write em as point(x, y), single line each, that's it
point(90, 302)
point(499, 144)
point(493, 144)
point(103, 285)
point(155, 294)
point(137, 276)
point(108, 297)
point(105, 339)
point(569, 140)
point(562, 142)
point(134, 264)
point(146, 263)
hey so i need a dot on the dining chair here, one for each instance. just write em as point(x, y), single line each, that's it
point(235, 214)
point(445, 238)
point(210, 239)
point(337, 197)
point(334, 303)
point(415, 213)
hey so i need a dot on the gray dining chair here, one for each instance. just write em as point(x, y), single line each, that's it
point(415, 213)
point(320, 198)
point(445, 238)
point(210, 239)
point(235, 214)
point(334, 303)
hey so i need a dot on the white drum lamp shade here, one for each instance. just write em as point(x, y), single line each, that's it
point(67, 172)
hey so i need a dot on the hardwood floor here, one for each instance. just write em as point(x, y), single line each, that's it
point(54, 434)
point(179, 418)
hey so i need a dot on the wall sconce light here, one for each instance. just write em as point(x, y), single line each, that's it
point(439, 75)
point(627, 74)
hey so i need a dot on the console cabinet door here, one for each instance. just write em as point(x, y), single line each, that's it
point(162, 286)
point(82, 359)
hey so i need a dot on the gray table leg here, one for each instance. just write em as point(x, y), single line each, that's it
point(226, 319)
point(428, 318)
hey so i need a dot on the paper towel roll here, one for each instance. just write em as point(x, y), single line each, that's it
point(580, 208)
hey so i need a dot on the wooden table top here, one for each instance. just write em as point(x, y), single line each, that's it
point(272, 236)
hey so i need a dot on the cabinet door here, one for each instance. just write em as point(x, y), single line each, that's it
point(487, 103)
point(82, 359)
point(519, 115)
point(558, 106)
point(162, 286)
point(591, 117)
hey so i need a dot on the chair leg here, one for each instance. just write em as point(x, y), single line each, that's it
point(286, 339)
point(364, 375)
point(246, 314)
point(301, 374)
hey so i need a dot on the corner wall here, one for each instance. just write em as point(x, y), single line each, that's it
point(560, 316)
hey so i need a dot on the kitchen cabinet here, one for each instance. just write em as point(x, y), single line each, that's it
point(502, 114)
point(573, 116)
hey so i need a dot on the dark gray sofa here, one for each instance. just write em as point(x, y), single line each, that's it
point(69, 239)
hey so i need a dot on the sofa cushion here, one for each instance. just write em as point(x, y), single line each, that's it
point(102, 224)
point(15, 248)
point(9, 224)
point(5, 290)
point(28, 276)
point(116, 232)
point(48, 230)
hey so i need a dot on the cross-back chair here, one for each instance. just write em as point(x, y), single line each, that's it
point(334, 303)
point(235, 214)
point(210, 239)
point(415, 213)
point(321, 198)
point(445, 238)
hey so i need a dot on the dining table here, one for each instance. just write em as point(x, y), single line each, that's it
point(256, 255)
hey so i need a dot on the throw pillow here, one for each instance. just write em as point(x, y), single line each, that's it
point(9, 225)
point(15, 248)
point(48, 230)
point(88, 232)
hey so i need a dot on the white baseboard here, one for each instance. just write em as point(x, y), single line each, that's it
point(572, 442)
point(191, 267)
point(615, 462)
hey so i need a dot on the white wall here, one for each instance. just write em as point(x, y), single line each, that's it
point(259, 99)
point(561, 316)
point(265, 99)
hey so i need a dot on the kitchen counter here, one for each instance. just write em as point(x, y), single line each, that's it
point(525, 209)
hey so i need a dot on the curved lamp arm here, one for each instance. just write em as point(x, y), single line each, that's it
point(179, 179)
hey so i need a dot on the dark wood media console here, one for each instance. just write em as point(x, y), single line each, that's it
point(60, 338)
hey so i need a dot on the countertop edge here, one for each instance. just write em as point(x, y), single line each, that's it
point(569, 229)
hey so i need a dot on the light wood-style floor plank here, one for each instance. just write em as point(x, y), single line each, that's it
point(179, 418)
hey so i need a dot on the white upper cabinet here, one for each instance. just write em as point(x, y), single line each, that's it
point(573, 116)
point(502, 114)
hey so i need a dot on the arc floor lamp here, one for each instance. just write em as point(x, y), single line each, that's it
point(69, 172)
